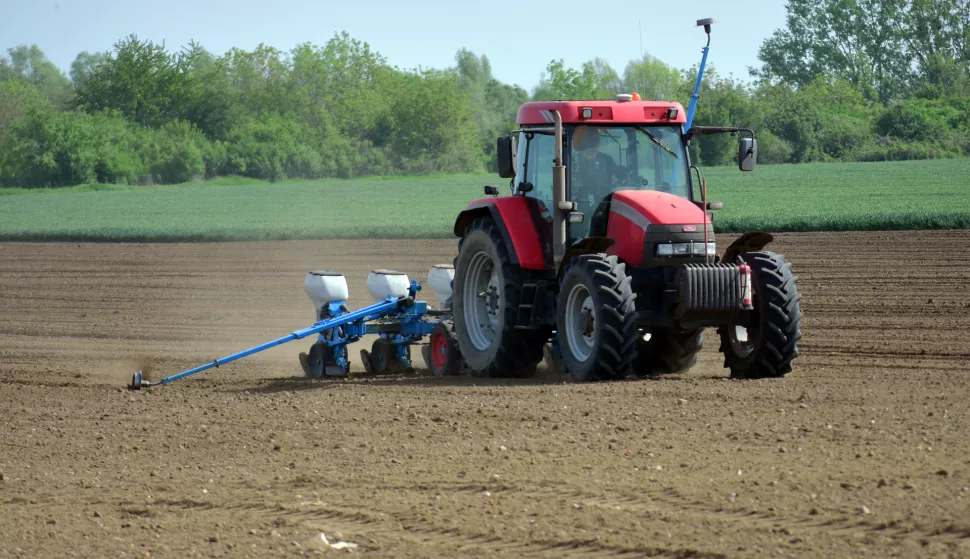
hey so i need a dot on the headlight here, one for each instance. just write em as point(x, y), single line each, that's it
point(685, 249)
point(698, 249)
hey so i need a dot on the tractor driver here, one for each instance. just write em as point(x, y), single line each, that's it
point(593, 170)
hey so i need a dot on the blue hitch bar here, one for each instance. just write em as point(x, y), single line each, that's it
point(377, 310)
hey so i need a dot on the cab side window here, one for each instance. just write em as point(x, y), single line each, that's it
point(538, 155)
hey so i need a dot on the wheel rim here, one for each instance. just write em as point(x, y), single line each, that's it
point(740, 342)
point(580, 323)
point(482, 294)
point(439, 351)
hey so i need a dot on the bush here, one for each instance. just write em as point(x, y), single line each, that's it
point(919, 120)
point(841, 135)
point(273, 147)
point(50, 148)
point(892, 149)
point(772, 149)
point(177, 153)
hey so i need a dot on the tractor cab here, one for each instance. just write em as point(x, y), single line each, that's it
point(602, 156)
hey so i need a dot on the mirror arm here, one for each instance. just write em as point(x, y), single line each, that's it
point(697, 172)
point(708, 130)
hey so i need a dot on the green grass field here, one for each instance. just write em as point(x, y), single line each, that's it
point(809, 197)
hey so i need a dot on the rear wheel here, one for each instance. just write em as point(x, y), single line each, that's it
point(596, 319)
point(668, 351)
point(487, 290)
point(769, 344)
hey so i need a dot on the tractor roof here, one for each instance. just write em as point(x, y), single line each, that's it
point(602, 112)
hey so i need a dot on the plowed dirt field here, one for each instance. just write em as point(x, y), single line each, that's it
point(863, 451)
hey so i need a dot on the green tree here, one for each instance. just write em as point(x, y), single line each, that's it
point(85, 64)
point(939, 38)
point(884, 48)
point(564, 83)
point(861, 41)
point(17, 100)
point(142, 81)
point(722, 102)
point(256, 81)
point(342, 82)
point(653, 79)
point(434, 126)
point(205, 99)
point(493, 104)
point(30, 65)
point(824, 120)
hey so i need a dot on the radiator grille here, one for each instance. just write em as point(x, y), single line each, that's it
point(708, 291)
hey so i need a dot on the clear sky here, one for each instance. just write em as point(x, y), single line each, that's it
point(519, 38)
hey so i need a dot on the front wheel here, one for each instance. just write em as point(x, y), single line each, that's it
point(596, 319)
point(769, 344)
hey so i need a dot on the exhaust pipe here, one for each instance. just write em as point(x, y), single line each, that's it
point(560, 206)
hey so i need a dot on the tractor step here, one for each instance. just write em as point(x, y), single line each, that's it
point(535, 306)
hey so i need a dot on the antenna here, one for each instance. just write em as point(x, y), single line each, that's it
point(640, 32)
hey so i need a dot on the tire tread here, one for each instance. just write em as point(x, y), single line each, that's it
point(781, 317)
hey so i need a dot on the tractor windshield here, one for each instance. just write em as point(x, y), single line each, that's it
point(604, 159)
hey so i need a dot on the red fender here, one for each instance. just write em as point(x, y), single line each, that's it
point(526, 234)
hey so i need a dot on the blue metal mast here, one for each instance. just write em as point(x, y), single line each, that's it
point(700, 74)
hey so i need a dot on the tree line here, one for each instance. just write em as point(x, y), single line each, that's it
point(843, 80)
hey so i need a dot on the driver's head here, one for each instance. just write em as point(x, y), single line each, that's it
point(590, 142)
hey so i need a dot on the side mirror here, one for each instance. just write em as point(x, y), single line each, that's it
point(747, 153)
point(491, 190)
point(711, 206)
point(505, 155)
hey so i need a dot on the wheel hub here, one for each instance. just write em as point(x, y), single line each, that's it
point(492, 298)
point(588, 314)
point(439, 351)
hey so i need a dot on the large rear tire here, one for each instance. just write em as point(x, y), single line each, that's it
point(487, 290)
point(767, 348)
point(596, 319)
point(668, 352)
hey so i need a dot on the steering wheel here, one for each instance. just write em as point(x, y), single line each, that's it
point(628, 175)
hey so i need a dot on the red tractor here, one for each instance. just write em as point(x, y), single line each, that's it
point(603, 258)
